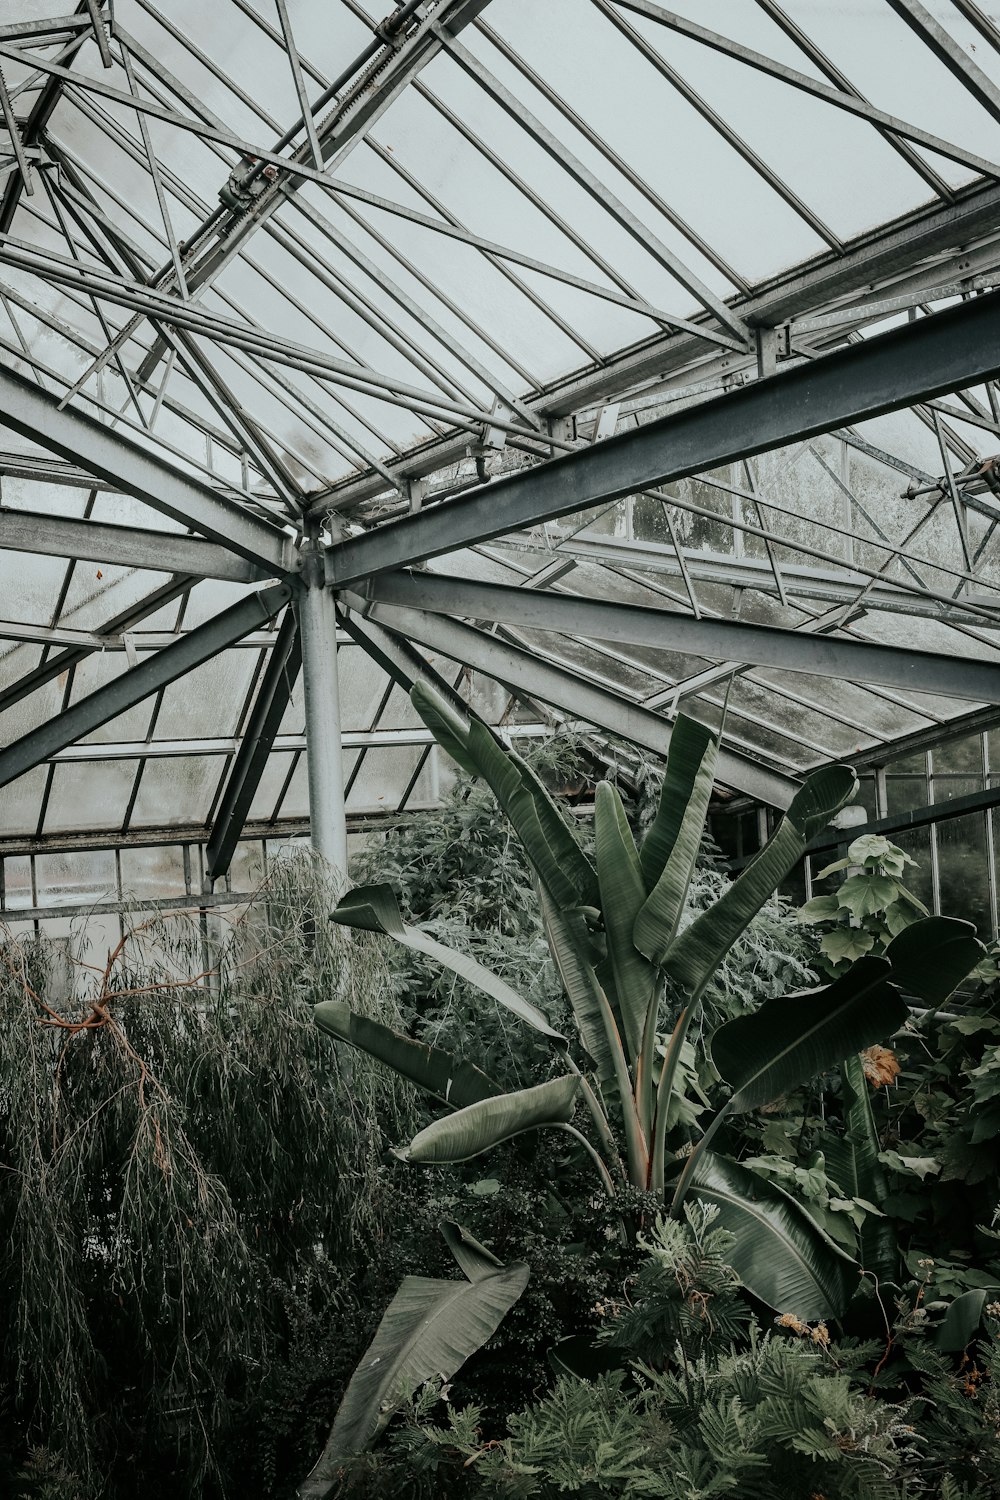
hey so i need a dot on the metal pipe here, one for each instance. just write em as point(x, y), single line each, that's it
point(318, 630)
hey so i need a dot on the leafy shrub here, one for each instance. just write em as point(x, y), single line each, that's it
point(190, 1187)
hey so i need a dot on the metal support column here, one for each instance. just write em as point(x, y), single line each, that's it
point(318, 632)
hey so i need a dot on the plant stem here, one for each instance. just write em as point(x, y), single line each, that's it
point(600, 1119)
point(606, 1177)
point(692, 1161)
point(665, 1088)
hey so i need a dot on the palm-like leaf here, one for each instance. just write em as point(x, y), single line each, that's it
point(486, 1123)
point(930, 957)
point(792, 1038)
point(431, 1068)
point(548, 841)
point(670, 848)
point(690, 744)
point(623, 893)
point(780, 1253)
point(859, 1173)
point(374, 908)
point(430, 1329)
point(700, 947)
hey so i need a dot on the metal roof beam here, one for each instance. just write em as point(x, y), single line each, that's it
point(108, 454)
point(951, 349)
point(851, 103)
point(874, 260)
point(140, 682)
point(803, 582)
point(947, 50)
point(715, 640)
point(244, 776)
point(524, 672)
point(124, 546)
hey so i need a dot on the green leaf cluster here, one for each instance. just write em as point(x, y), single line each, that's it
point(869, 909)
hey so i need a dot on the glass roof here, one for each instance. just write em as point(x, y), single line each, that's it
point(338, 267)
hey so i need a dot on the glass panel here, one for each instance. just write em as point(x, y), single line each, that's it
point(76, 877)
point(905, 794)
point(947, 788)
point(963, 871)
point(153, 872)
point(964, 755)
point(918, 879)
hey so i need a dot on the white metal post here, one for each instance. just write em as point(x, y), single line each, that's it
point(318, 629)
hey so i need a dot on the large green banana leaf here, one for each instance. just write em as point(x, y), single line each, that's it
point(676, 835)
point(430, 1068)
point(695, 953)
point(447, 726)
point(858, 1172)
point(374, 908)
point(548, 841)
point(780, 1253)
point(429, 1330)
point(569, 944)
point(623, 893)
point(792, 1038)
point(692, 755)
point(486, 1123)
point(930, 957)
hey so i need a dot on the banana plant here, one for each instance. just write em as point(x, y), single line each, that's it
point(615, 926)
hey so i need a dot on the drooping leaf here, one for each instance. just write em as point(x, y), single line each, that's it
point(912, 1166)
point(696, 952)
point(375, 909)
point(446, 725)
point(780, 1253)
point(486, 1123)
point(692, 781)
point(430, 1328)
point(470, 1256)
point(622, 895)
point(454, 1083)
point(792, 1038)
point(929, 958)
point(819, 909)
point(961, 1322)
point(692, 746)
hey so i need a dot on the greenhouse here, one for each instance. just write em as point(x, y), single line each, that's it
point(500, 749)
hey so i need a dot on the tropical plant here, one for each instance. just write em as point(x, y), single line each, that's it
point(615, 928)
point(702, 1402)
point(429, 1329)
point(868, 909)
point(884, 1156)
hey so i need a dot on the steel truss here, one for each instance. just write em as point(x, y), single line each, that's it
point(767, 367)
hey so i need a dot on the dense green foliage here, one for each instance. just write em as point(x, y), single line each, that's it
point(144, 1353)
point(190, 1194)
